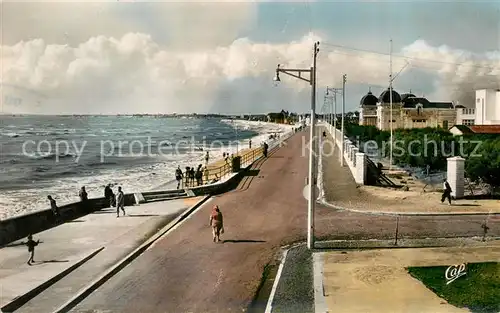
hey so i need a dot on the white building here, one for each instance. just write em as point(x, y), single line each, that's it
point(487, 107)
point(465, 116)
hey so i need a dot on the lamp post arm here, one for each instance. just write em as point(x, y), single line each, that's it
point(292, 72)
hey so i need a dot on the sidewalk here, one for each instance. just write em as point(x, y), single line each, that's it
point(341, 191)
point(380, 279)
point(64, 246)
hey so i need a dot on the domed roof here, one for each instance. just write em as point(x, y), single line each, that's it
point(385, 97)
point(368, 100)
point(405, 96)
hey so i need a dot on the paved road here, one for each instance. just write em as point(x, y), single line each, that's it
point(187, 272)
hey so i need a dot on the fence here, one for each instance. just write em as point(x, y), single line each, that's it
point(247, 157)
point(356, 160)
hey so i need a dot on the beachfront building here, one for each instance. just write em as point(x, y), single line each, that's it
point(408, 111)
point(485, 110)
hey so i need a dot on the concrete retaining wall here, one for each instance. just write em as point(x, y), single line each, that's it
point(18, 227)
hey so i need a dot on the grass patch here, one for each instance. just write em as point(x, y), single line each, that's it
point(478, 290)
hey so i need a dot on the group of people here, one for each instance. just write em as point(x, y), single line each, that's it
point(117, 200)
point(113, 200)
point(191, 177)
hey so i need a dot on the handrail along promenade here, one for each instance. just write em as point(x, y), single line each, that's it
point(223, 167)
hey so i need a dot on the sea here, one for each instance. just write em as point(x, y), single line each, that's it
point(57, 155)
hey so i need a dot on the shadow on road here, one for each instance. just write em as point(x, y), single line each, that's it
point(50, 261)
point(143, 215)
point(243, 241)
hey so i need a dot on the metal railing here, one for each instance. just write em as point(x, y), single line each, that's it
point(211, 174)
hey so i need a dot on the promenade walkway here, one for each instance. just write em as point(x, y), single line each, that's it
point(70, 243)
point(187, 272)
point(341, 191)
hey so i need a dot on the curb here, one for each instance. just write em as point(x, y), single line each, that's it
point(21, 300)
point(83, 293)
point(320, 305)
point(324, 202)
point(269, 306)
point(403, 243)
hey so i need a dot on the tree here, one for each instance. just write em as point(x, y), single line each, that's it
point(485, 166)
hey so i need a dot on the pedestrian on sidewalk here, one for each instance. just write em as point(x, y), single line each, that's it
point(446, 192)
point(186, 175)
point(191, 176)
point(108, 195)
point(84, 199)
point(178, 176)
point(120, 202)
point(55, 209)
point(217, 224)
point(31, 248)
point(250, 144)
point(264, 150)
point(199, 175)
point(206, 172)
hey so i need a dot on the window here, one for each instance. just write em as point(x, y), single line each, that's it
point(445, 124)
point(467, 122)
point(419, 121)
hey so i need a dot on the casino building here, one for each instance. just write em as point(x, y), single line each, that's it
point(408, 111)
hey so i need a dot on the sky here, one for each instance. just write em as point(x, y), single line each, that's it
point(122, 57)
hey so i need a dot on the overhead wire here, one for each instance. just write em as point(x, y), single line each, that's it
point(405, 57)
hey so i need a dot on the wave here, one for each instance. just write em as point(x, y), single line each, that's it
point(11, 135)
point(53, 156)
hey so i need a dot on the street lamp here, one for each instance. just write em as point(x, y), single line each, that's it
point(297, 73)
point(334, 91)
point(344, 80)
point(391, 80)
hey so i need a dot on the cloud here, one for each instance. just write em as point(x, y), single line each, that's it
point(134, 73)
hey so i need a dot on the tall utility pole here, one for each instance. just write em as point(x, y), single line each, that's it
point(334, 91)
point(390, 102)
point(297, 73)
point(344, 80)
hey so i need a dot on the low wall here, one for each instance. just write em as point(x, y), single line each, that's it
point(19, 227)
point(355, 160)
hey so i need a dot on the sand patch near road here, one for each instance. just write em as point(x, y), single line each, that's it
point(377, 280)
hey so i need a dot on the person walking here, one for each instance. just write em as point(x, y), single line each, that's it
point(120, 202)
point(192, 176)
point(217, 224)
point(31, 248)
point(108, 195)
point(199, 175)
point(178, 176)
point(446, 192)
point(206, 173)
point(55, 209)
point(250, 144)
point(264, 150)
point(84, 199)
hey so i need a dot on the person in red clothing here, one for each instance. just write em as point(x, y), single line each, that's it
point(217, 224)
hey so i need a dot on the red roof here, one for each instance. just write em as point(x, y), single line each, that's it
point(485, 129)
